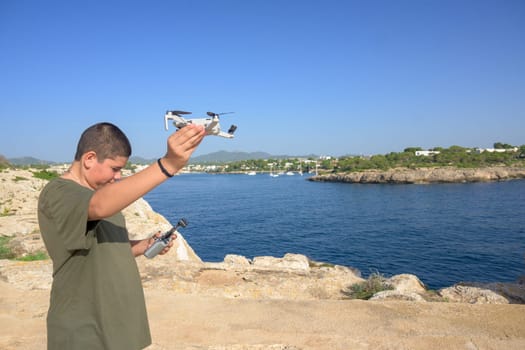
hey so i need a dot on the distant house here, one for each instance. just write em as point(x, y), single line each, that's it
point(496, 150)
point(426, 153)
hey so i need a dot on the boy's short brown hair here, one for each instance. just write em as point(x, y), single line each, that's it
point(106, 140)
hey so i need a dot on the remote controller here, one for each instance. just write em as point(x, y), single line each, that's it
point(162, 241)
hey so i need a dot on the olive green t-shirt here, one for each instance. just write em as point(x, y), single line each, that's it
point(97, 301)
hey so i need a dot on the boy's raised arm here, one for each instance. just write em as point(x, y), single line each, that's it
point(114, 197)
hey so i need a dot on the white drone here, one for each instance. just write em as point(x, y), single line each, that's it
point(211, 124)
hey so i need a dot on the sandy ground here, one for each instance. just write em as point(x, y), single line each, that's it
point(199, 322)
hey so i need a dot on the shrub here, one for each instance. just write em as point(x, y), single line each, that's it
point(34, 257)
point(6, 212)
point(375, 283)
point(5, 252)
point(45, 174)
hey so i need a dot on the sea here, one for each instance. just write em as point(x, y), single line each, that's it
point(443, 233)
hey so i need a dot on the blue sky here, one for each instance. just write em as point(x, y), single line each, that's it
point(322, 77)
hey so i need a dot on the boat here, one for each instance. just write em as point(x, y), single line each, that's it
point(251, 173)
point(271, 172)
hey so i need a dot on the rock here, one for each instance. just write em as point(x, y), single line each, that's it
point(143, 222)
point(512, 292)
point(295, 262)
point(253, 347)
point(27, 275)
point(293, 276)
point(460, 293)
point(407, 283)
point(397, 295)
point(22, 245)
point(236, 261)
point(19, 191)
point(425, 175)
point(235, 277)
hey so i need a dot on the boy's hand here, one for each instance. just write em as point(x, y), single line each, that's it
point(139, 247)
point(181, 145)
point(167, 248)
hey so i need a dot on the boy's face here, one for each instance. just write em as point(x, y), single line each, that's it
point(107, 171)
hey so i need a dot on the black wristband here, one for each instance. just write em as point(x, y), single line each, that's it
point(163, 169)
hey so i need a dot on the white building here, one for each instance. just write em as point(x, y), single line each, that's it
point(426, 153)
point(496, 150)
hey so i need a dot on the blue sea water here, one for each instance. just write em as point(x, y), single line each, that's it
point(443, 233)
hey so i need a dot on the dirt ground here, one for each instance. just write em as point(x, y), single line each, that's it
point(182, 321)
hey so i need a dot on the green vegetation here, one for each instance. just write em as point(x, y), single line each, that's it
point(6, 211)
point(7, 253)
point(432, 295)
point(375, 283)
point(34, 257)
point(45, 174)
point(318, 264)
point(19, 178)
point(131, 167)
point(4, 163)
point(267, 165)
point(455, 156)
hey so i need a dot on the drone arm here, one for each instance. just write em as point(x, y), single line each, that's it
point(166, 118)
point(225, 135)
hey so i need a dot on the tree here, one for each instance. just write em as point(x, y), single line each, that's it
point(500, 145)
point(521, 151)
point(4, 163)
point(412, 149)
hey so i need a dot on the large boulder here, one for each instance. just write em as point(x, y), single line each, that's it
point(407, 283)
point(293, 262)
point(143, 222)
point(485, 293)
point(460, 293)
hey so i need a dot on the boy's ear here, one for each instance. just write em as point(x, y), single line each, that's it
point(89, 159)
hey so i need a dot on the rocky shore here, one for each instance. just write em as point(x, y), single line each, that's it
point(425, 175)
point(267, 302)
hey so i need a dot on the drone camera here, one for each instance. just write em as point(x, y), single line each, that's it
point(182, 222)
point(232, 129)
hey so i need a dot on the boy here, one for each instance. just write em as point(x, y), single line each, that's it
point(97, 301)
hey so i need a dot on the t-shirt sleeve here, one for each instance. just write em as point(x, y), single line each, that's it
point(66, 204)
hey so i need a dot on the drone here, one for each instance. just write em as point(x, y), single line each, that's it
point(211, 124)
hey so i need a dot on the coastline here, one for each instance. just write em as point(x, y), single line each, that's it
point(425, 175)
point(266, 303)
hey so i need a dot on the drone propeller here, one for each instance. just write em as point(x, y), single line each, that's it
point(178, 112)
point(211, 114)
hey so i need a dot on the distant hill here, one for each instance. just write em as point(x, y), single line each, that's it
point(24, 161)
point(225, 156)
point(141, 160)
point(215, 157)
